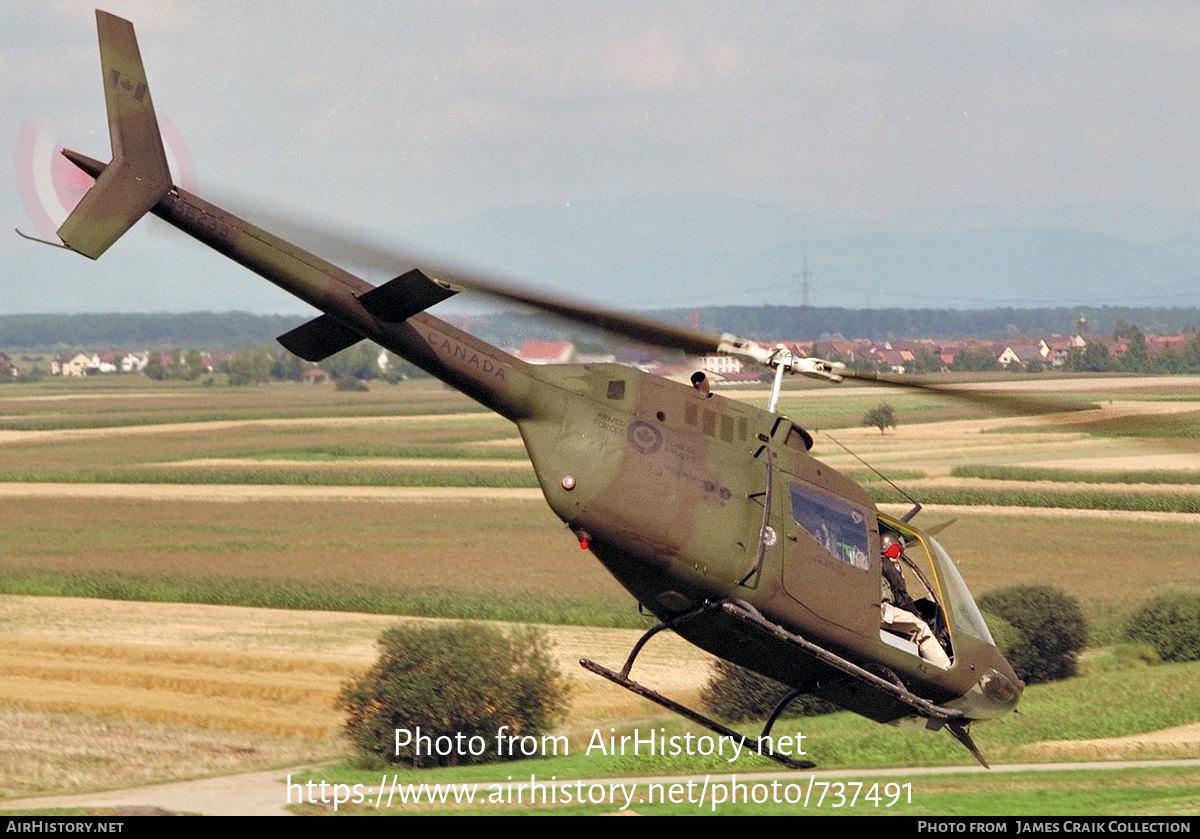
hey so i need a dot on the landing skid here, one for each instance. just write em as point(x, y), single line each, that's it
point(695, 716)
point(937, 716)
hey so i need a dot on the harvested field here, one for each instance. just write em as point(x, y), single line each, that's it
point(100, 693)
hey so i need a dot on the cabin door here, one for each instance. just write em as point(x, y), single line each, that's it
point(827, 562)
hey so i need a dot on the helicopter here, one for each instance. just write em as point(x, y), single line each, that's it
point(710, 511)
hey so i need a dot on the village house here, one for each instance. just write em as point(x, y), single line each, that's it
point(77, 365)
point(547, 352)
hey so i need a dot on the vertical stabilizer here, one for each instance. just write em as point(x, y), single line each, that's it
point(138, 177)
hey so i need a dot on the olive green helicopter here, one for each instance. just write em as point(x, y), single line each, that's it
point(711, 512)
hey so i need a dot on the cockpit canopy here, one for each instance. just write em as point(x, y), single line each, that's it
point(941, 580)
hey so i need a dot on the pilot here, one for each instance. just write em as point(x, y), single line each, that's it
point(898, 611)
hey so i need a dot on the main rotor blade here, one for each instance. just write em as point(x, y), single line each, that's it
point(356, 249)
point(993, 398)
point(353, 248)
point(639, 328)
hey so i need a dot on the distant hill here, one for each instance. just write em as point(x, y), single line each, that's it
point(228, 330)
point(210, 330)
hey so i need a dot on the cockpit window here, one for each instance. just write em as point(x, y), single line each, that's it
point(943, 582)
point(840, 528)
point(958, 601)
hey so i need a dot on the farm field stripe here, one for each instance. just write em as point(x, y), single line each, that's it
point(343, 463)
point(22, 436)
point(1044, 512)
point(248, 492)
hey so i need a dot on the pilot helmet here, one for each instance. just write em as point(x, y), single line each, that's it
point(891, 545)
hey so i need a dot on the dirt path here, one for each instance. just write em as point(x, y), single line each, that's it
point(252, 794)
point(1185, 738)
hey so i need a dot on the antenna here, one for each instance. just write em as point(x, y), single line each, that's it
point(806, 277)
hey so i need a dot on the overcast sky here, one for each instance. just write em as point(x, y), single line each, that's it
point(395, 115)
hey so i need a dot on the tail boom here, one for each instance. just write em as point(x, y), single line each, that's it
point(391, 315)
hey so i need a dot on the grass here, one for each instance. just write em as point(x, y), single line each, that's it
point(848, 409)
point(399, 447)
point(267, 475)
point(1080, 476)
point(502, 560)
point(134, 402)
point(78, 752)
point(345, 597)
point(1080, 709)
point(1183, 425)
point(1070, 499)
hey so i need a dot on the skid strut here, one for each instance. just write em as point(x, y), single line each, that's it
point(749, 743)
point(622, 679)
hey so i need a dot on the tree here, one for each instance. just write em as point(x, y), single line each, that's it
point(1049, 626)
point(882, 416)
point(288, 368)
point(250, 366)
point(358, 362)
point(462, 681)
point(974, 360)
point(1171, 624)
point(154, 368)
point(1137, 356)
point(1093, 359)
point(193, 365)
point(926, 362)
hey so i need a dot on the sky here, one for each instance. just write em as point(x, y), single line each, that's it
point(639, 129)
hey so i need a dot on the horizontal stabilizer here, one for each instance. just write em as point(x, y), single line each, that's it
point(319, 338)
point(395, 301)
point(399, 299)
point(138, 177)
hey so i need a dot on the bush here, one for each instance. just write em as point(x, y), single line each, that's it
point(1170, 623)
point(735, 694)
point(1003, 633)
point(1049, 626)
point(451, 680)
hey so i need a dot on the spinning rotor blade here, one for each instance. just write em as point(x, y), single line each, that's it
point(992, 398)
point(356, 249)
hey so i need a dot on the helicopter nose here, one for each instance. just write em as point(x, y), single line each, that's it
point(994, 695)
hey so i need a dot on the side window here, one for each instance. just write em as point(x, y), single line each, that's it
point(842, 529)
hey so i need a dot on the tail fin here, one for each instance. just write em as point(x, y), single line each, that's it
point(137, 178)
